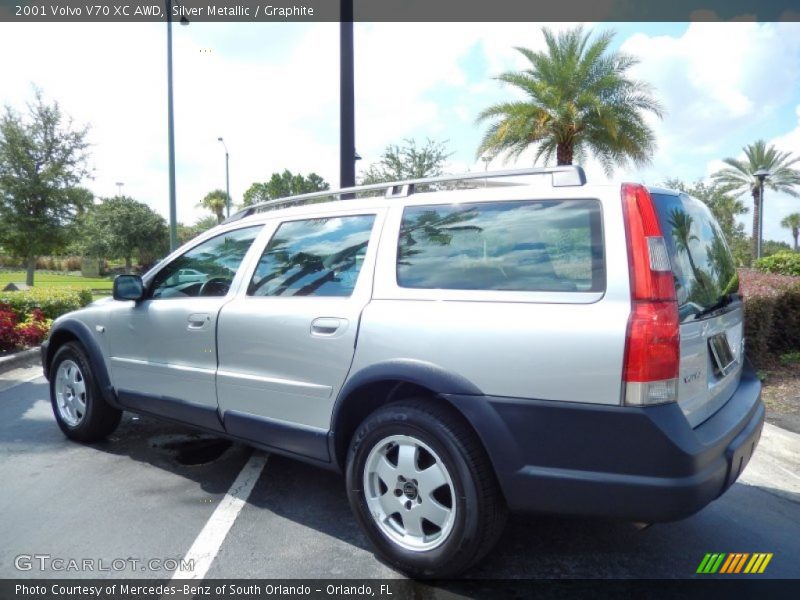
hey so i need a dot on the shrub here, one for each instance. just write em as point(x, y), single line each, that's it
point(34, 329)
point(72, 263)
point(783, 263)
point(8, 328)
point(9, 262)
point(772, 314)
point(758, 320)
point(15, 334)
point(53, 302)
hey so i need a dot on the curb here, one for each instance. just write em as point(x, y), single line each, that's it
point(31, 355)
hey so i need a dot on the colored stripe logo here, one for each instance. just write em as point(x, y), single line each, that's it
point(734, 562)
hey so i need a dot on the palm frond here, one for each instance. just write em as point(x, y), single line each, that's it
point(579, 98)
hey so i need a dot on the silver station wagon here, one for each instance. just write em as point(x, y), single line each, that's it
point(458, 347)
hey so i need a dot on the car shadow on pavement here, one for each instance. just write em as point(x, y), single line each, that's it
point(28, 426)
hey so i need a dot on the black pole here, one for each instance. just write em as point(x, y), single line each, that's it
point(760, 216)
point(347, 126)
point(173, 220)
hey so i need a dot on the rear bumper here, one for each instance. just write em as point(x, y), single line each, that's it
point(644, 464)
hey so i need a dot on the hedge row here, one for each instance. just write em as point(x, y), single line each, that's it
point(53, 302)
point(783, 263)
point(772, 315)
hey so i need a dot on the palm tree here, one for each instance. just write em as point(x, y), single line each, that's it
point(216, 202)
point(740, 176)
point(578, 100)
point(792, 222)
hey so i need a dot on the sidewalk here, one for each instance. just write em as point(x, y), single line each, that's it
point(776, 463)
point(18, 359)
point(19, 367)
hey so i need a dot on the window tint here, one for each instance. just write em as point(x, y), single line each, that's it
point(207, 269)
point(524, 246)
point(315, 257)
point(703, 266)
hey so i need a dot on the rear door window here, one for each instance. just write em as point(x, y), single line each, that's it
point(543, 245)
point(702, 263)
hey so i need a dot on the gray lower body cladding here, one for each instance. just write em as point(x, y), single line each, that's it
point(644, 464)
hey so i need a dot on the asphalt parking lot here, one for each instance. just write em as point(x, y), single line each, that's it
point(157, 490)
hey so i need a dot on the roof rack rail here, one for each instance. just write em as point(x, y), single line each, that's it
point(563, 176)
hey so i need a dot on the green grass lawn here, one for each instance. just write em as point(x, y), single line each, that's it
point(60, 280)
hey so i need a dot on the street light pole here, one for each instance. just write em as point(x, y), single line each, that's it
point(119, 185)
point(762, 174)
point(347, 133)
point(227, 180)
point(173, 216)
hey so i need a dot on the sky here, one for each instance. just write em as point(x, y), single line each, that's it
point(271, 91)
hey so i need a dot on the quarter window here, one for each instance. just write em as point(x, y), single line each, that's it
point(551, 245)
point(207, 269)
point(314, 257)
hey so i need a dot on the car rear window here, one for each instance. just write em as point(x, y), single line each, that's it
point(538, 246)
point(702, 263)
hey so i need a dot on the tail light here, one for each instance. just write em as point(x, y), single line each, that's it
point(652, 344)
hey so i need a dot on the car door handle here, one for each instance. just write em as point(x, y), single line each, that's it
point(327, 326)
point(198, 321)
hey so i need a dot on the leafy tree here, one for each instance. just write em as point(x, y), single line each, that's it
point(579, 100)
point(187, 232)
point(216, 201)
point(740, 176)
point(792, 222)
point(770, 247)
point(121, 227)
point(282, 185)
point(408, 161)
point(42, 160)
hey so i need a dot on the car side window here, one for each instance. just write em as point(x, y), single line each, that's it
point(543, 245)
point(313, 257)
point(207, 269)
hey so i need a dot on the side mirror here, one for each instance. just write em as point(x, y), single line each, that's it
point(128, 287)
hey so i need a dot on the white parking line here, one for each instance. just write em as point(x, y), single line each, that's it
point(208, 542)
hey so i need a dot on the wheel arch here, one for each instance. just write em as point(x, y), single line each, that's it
point(381, 383)
point(73, 330)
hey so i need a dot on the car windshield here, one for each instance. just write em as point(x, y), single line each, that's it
point(704, 269)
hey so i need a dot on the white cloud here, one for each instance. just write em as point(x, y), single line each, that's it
point(272, 91)
point(716, 80)
point(114, 77)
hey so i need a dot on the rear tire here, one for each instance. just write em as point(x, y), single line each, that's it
point(80, 409)
point(423, 490)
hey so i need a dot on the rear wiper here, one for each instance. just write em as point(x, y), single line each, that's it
point(722, 302)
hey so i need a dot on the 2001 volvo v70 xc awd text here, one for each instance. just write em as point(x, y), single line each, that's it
point(532, 344)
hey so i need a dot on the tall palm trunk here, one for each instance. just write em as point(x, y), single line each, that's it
point(564, 153)
point(795, 235)
point(756, 222)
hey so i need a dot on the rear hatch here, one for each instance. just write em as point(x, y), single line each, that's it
point(709, 307)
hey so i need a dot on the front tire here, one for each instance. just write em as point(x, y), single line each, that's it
point(80, 409)
point(423, 489)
